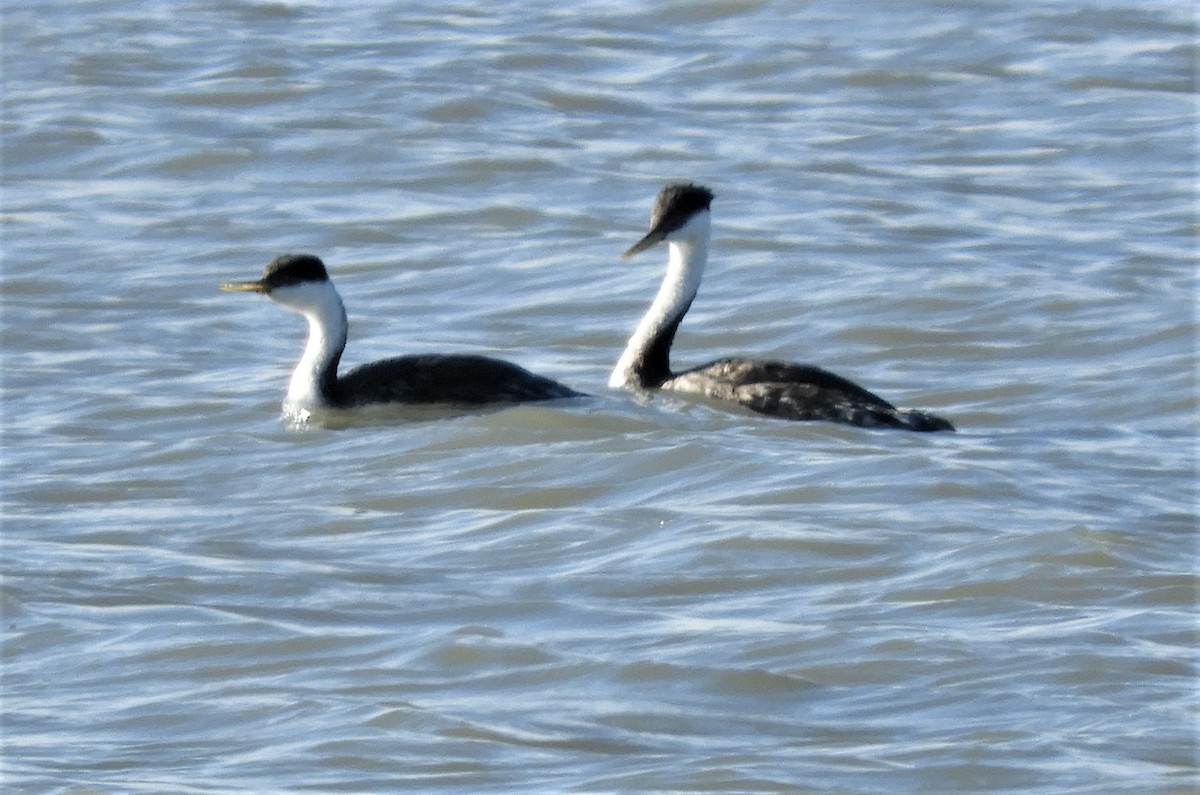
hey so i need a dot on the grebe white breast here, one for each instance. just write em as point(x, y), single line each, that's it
point(301, 283)
point(681, 219)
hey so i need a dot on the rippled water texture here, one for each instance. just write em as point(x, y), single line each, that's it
point(986, 210)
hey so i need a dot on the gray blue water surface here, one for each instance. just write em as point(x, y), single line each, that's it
point(984, 209)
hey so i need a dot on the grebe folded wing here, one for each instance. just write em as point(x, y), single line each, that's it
point(765, 372)
point(798, 392)
point(447, 378)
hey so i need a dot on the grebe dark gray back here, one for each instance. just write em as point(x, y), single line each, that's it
point(301, 283)
point(681, 218)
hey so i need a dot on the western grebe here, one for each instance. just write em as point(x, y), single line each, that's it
point(300, 282)
point(780, 389)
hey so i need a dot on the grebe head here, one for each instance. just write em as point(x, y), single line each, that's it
point(297, 281)
point(680, 214)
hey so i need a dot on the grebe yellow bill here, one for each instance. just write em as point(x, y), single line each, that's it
point(301, 283)
point(681, 219)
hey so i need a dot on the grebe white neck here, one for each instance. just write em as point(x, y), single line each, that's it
point(316, 372)
point(687, 256)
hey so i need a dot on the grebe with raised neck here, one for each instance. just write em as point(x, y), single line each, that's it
point(301, 283)
point(681, 219)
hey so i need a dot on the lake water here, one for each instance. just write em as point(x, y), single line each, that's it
point(986, 210)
